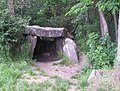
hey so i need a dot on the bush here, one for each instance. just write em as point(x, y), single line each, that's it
point(101, 51)
point(82, 31)
point(11, 29)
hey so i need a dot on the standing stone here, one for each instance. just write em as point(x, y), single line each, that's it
point(69, 49)
point(59, 44)
point(32, 40)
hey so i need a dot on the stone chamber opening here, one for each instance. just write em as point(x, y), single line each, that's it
point(45, 49)
point(46, 42)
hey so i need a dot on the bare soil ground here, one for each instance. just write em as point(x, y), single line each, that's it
point(49, 70)
point(64, 72)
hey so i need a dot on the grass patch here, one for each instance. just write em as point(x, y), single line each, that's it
point(12, 69)
point(41, 72)
point(60, 84)
point(31, 72)
point(64, 59)
point(81, 78)
point(10, 75)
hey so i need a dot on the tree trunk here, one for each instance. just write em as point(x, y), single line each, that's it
point(103, 24)
point(118, 47)
point(116, 27)
point(10, 7)
point(87, 16)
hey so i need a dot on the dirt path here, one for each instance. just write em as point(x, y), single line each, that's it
point(65, 72)
point(50, 70)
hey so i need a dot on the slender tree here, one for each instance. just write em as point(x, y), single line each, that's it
point(116, 25)
point(118, 47)
point(10, 7)
point(103, 23)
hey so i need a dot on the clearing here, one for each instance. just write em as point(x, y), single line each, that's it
point(58, 76)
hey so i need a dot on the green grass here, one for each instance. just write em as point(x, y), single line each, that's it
point(31, 72)
point(64, 59)
point(60, 84)
point(10, 76)
point(11, 79)
point(41, 72)
point(12, 68)
point(82, 77)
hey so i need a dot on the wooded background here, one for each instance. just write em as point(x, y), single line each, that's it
point(95, 24)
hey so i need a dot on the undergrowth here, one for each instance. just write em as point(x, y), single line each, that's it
point(101, 51)
point(82, 77)
point(12, 71)
point(64, 59)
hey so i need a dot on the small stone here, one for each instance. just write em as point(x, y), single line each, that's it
point(94, 75)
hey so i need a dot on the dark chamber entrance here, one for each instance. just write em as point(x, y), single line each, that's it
point(45, 49)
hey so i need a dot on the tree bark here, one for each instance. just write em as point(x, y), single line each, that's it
point(103, 24)
point(87, 16)
point(10, 7)
point(116, 27)
point(118, 46)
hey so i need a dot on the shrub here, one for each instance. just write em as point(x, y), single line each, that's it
point(101, 51)
point(11, 28)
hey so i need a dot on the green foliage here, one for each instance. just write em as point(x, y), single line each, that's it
point(80, 7)
point(11, 72)
point(82, 77)
point(105, 5)
point(31, 72)
point(62, 84)
point(11, 29)
point(101, 51)
point(64, 59)
point(44, 12)
point(108, 5)
point(82, 31)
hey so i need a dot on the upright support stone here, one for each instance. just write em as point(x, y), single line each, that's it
point(32, 43)
point(69, 50)
point(59, 44)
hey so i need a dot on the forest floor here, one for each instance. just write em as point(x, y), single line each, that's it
point(53, 76)
point(59, 76)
